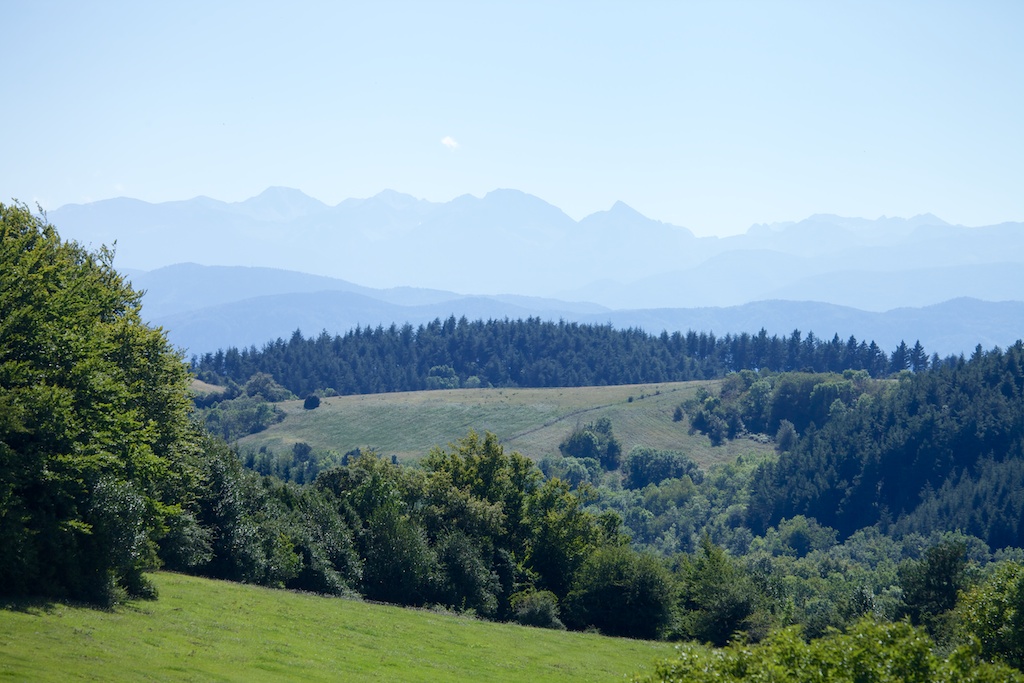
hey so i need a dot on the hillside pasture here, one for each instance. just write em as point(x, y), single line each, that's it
point(531, 421)
point(203, 630)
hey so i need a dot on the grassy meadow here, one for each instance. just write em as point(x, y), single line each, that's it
point(203, 630)
point(531, 421)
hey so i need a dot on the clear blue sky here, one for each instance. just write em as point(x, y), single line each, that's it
point(711, 115)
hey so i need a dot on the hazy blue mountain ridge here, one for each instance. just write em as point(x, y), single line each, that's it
point(204, 308)
point(951, 327)
point(387, 240)
point(190, 286)
point(518, 255)
point(258, 320)
point(512, 242)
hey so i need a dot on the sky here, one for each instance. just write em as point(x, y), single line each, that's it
point(709, 115)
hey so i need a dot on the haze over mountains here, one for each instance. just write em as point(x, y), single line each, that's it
point(510, 254)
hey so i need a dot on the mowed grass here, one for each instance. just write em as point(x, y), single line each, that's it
point(531, 421)
point(203, 630)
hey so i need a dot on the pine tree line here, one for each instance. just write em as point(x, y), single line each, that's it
point(536, 353)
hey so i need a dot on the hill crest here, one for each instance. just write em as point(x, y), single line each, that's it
point(509, 241)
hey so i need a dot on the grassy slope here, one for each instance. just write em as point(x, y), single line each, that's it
point(202, 388)
point(531, 421)
point(216, 631)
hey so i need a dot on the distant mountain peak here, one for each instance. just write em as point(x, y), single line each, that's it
point(278, 203)
point(396, 200)
point(622, 213)
point(513, 197)
point(621, 208)
point(503, 192)
point(521, 204)
point(281, 191)
point(390, 194)
point(927, 219)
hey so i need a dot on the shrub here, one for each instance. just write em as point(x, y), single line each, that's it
point(869, 651)
point(536, 608)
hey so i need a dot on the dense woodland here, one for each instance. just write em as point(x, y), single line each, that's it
point(535, 353)
point(891, 513)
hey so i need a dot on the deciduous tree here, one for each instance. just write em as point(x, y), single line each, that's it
point(95, 437)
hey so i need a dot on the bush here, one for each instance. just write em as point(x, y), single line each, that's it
point(262, 384)
point(869, 651)
point(312, 402)
point(536, 608)
point(241, 416)
point(595, 441)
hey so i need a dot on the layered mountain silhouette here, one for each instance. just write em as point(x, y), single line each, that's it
point(204, 308)
point(510, 254)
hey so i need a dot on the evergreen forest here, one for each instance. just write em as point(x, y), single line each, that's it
point(534, 353)
point(882, 539)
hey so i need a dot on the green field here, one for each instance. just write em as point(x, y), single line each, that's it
point(531, 421)
point(203, 630)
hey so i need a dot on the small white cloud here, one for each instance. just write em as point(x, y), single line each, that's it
point(449, 142)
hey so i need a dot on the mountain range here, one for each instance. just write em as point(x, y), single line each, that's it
point(510, 254)
point(204, 308)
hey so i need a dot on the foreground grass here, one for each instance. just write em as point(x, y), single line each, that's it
point(531, 421)
point(202, 630)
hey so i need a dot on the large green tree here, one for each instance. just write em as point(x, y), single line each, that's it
point(931, 584)
point(95, 435)
point(622, 593)
point(717, 596)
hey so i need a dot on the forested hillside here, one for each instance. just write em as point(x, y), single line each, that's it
point(878, 483)
point(940, 449)
point(533, 353)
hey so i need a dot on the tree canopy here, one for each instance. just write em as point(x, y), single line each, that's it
point(95, 434)
point(529, 353)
